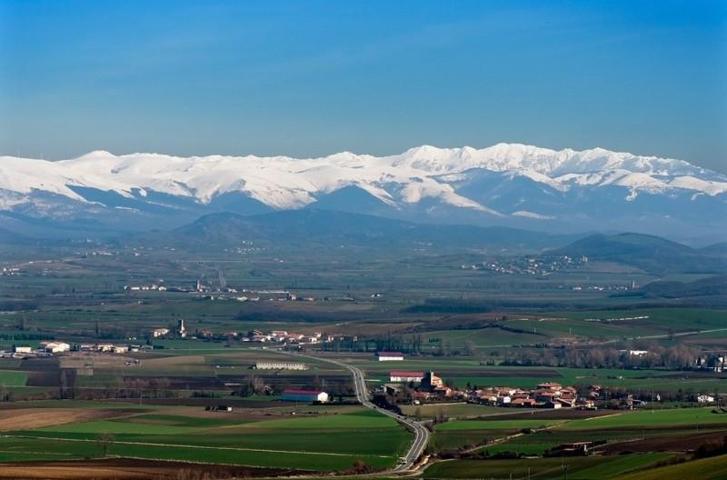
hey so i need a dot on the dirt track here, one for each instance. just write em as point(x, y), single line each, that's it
point(31, 418)
point(123, 469)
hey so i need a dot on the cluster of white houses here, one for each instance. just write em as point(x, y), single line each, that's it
point(56, 347)
point(283, 337)
point(716, 363)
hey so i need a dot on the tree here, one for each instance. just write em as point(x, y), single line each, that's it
point(418, 413)
point(104, 441)
point(359, 467)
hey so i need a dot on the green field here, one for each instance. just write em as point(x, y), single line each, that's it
point(578, 468)
point(548, 433)
point(705, 469)
point(9, 378)
point(329, 441)
point(693, 417)
point(451, 410)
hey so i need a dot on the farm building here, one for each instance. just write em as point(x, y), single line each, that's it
point(704, 398)
point(22, 349)
point(159, 332)
point(389, 356)
point(405, 376)
point(218, 408)
point(280, 366)
point(304, 395)
point(572, 449)
point(55, 347)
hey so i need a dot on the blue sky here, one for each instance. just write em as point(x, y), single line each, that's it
point(308, 78)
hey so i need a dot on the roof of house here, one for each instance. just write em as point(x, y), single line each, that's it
point(405, 373)
point(302, 391)
point(390, 354)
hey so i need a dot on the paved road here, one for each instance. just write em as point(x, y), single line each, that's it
point(421, 433)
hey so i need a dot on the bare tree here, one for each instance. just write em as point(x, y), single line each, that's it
point(104, 441)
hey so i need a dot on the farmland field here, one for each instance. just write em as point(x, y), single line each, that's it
point(545, 468)
point(704, 469)
point(328, 440)
point(10, 378)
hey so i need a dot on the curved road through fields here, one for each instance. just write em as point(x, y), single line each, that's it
point(421, 433)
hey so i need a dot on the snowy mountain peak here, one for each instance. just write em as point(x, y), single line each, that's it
point(506, 180)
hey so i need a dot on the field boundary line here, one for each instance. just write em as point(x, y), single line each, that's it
point(201, 447)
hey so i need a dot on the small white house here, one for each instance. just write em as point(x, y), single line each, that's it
point(22, 349)
point(390, 356)
point(704, 398)
point(159, 332)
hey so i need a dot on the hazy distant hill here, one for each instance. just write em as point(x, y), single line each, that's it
point(322, 227)
point(718, 249)
point(648, 252)
point(711, 286)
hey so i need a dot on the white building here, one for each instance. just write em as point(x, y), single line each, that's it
point(159, 332)
point(263, 365)
point(390, 356)
point(55, 347)
point(703, 398)
point(304, 395)
point(403, 376)
point(635, 353)
point(22, 349)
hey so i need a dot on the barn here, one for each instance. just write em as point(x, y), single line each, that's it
point(390, 356)
point(405, 376)
point(304, 395)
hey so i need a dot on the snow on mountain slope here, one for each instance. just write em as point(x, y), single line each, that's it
point(398, 181)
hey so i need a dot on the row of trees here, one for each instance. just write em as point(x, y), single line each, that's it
point(677, 357)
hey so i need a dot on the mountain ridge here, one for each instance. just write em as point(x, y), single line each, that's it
point(507, 184)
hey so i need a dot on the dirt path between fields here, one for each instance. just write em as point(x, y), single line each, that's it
point(132, 469)
point(32, 418)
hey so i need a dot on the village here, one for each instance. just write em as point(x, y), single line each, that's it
point(529, 265)
point(205, 291)
point(426, 387)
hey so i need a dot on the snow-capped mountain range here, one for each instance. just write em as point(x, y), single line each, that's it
point(505, 183)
